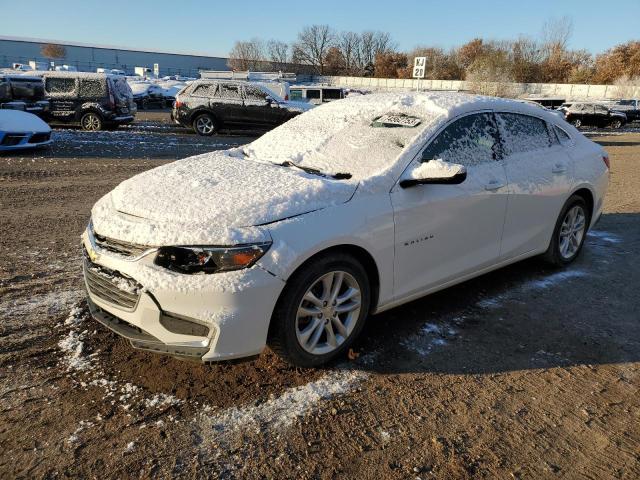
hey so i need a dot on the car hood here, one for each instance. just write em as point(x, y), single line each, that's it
point(218, 198)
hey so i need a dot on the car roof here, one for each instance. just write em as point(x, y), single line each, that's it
point(86, 75)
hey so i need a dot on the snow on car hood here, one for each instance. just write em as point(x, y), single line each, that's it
point(18, 121)
point(216, 198)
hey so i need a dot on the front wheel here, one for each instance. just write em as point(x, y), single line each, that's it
point(616, 124)
point(321, 311)
point(569, 233)
point(91, 122)
point(576, 122)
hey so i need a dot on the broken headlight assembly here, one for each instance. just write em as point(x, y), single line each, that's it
point(192, 260)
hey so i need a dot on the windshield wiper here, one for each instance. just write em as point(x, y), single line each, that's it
point(315, 171)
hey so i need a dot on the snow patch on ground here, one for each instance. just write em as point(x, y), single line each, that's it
point(48, 303)
point(604, 236)
point(282, 411)
point(431, 336)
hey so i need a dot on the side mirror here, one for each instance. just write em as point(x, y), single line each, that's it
point(436, 172)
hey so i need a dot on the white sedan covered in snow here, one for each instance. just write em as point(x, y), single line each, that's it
point(20, 130)
point(347, 210)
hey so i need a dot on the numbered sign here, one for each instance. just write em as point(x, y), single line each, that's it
point(418, 67)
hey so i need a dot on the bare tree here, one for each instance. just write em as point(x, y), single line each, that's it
point(313, 44)
point(556, 33)
point(278, 54)
point(349, 45)
point(371, 44)
point(52, 50)
point(247, 55)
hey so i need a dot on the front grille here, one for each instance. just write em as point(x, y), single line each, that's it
point(117, 246)
point(11, 139)
point(111, 286)
point(39, 137)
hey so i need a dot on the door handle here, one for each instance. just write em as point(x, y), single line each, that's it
point(559, 168)
point(494, 185)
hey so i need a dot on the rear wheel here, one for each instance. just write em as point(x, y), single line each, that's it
point(616, 124)
point(321, 311)
point(91, 122)
point(569, 233)
point(204, 124)
point(576, 122)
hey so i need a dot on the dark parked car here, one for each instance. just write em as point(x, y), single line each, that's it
point(630, 107)
point(95, 101)
point(21, 92)
point(208, 105)
point(594, 115)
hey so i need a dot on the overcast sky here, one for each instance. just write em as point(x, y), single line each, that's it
point(212, 27)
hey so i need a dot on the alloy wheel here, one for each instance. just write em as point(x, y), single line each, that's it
point(572, 231)
point(328, 312)
point(91, 122)
point(205, 125)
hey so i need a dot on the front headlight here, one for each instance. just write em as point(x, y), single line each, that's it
point(210, 259)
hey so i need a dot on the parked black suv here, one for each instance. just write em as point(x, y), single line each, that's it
point(95, 101)
point(594, 115)
point(21, 92)
point(209, 105)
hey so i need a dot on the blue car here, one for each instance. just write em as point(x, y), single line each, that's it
point(20, 130)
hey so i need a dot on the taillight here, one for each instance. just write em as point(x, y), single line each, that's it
point(286, 97)
point(177, 103)
point(605, 159)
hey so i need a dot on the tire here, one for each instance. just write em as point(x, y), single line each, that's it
point(205, 125)
point(290, 326)
point(558, 253)
point(616, 124)
point(576, 122)
point(144, 104)
point(91, 122)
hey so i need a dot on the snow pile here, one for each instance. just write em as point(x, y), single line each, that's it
point(436, 169)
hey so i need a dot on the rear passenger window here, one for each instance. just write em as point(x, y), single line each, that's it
point(60, 85)
point(91, 88)
point(313, 94)
point(295, 94)
point(206, 90)
point(254, 94)
point(563, 136)
point(470, 141)
point(229, 91)
point(522, 133)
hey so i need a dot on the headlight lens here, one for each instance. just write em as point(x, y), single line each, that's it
point(191, 260)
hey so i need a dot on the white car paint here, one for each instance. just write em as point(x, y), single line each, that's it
point(421, 239)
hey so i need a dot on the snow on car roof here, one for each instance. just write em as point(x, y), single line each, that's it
point(340, 137)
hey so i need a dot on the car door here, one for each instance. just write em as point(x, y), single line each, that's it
point(228, 105)
point(62, 95)
point(260, 112)
point(539, 173)
point(444, 232)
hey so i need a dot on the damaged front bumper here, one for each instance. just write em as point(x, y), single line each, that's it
point(207, 318)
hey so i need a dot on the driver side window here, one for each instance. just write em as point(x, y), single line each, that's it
point(469, 141)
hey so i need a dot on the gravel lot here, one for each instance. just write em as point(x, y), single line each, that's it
point(525, 373)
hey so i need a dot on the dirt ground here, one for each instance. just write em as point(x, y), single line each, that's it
point(526, 372)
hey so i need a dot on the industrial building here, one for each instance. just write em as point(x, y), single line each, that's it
point(87, 57)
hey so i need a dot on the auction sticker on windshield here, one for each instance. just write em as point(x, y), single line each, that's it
point(396, 120)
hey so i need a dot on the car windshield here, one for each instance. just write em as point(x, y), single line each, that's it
point(347, 137)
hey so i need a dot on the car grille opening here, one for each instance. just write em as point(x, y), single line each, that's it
point(11, 139)
point(112, 286)
point(183, 326)
point(117, 246)
point(40, 137)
